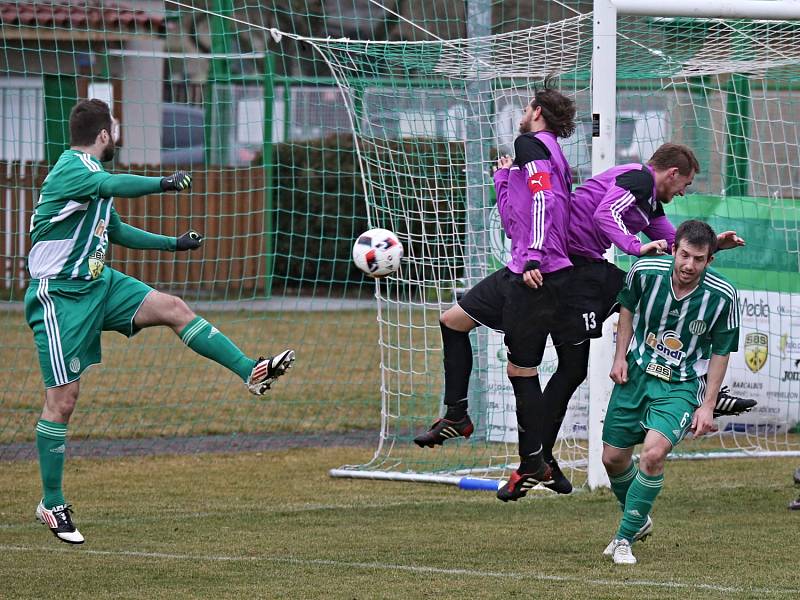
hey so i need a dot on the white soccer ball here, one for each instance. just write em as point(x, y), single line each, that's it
point(377, 252)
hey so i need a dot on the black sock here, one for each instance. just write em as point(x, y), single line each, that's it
point(457, 411)
point(530, 415)
point(457, 352)
point(573, 361)
point(532, 462)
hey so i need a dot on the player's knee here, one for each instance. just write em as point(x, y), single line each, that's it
point(573, 362)
point(513, 370)
point(614, 461)
point(651, 460)
point(456, 319)
point(179, 312)
point(60, 401)
point(574, 372)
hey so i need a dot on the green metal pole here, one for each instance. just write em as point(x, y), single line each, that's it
point(219, 110)
point(60, 95)
point(737, 120)
point(287, 109)
point(700, 128)
point(737, 135)
point(268, 159)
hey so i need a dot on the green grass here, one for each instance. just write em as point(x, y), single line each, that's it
point(274, 525)
point(152, 385)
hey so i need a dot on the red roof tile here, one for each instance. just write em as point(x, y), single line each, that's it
point(81, 15)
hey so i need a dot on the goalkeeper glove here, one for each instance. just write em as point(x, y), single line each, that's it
point(179, 180)
point(190, 240)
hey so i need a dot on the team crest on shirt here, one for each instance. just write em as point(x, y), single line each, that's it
point(756, 350)
point(539, 182)
point(698, 327)
point(668, 347)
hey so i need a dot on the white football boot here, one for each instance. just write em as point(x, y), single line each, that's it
point(621, 553)
point(59, 521)
point(267, 370)
point(641, 535)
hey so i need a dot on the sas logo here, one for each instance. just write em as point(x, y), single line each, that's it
point(756, 350)
point(668, 347)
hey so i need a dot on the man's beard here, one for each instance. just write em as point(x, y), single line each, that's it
point(525, 127)
point(108, 152)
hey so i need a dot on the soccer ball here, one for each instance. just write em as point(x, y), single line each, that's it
point(377, 252)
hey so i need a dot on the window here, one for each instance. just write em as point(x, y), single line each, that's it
point(21, 119)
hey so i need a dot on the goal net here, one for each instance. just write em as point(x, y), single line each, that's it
point(724, 87)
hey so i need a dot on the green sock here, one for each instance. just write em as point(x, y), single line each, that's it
point(51, 441)
point(208, 341)
point(620, 484)
point(639, 503)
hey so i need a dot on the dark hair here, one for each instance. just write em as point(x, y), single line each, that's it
point(558, 110)
point(86, 120)
point(697, 233)
point(675, 155)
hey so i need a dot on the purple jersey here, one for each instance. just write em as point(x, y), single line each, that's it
point(533, 199)
point(612, 207)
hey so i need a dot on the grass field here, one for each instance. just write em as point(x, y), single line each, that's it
point(274, 525)
point(152, 385)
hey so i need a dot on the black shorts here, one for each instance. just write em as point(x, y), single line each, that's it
point(587, 300)
point(503, 302)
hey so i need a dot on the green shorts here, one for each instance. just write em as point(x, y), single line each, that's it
point(68, 315)
point(646, 402)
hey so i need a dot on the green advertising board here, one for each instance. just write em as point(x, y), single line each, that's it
point(771, 259)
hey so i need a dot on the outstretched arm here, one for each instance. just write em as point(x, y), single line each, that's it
point(133, 186)
point(132, 237)
point(728, 239)
point(138, 239)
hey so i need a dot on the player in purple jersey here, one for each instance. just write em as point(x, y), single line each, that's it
point(611, 208)
point(520, 300)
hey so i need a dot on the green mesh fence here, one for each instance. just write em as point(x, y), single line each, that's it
point(300, 135)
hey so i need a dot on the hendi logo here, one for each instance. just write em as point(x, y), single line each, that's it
point(668, 347)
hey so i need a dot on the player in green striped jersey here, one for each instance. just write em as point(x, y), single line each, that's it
point(678, 324)
point(73, 295)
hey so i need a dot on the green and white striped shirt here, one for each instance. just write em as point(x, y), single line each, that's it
point(674, 339)
point(69, 225)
